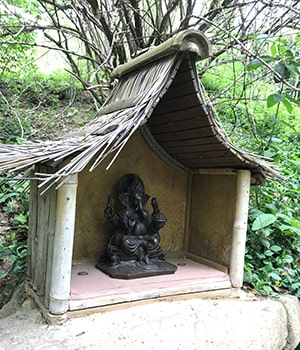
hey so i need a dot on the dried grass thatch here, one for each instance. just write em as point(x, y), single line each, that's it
point(126, 110)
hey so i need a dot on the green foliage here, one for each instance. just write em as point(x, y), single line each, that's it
point(272, 261)
point(14, 205)
point(14, 197)
point(13, 15)
point(13, 255)
point(283, 59)
point(260, 118)
point(17, 254)
point(38, 105)
point(33, 105)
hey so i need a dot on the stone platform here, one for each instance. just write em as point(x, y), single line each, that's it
point(235, 323)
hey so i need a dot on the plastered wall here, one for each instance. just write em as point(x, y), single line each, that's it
point(212, 216)
point(161, 181)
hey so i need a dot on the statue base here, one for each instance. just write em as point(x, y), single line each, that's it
point(132, 269)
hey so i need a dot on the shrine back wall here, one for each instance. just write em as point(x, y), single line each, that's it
point(162, 181)
point(212, 216)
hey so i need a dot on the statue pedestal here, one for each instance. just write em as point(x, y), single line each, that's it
point(132, 269)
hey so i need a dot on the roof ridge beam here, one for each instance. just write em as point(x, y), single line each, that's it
point(190, 40)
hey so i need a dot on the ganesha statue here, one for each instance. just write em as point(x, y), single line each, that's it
point(133, 249)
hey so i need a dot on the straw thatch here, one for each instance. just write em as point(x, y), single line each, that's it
point(106, 133)
point(131, 104)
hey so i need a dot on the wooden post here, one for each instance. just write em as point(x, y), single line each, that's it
point(63, 247)
point(239, 231)
point(32, 232)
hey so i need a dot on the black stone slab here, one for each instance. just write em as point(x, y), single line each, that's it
point(131, 270)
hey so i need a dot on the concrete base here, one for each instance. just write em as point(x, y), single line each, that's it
point(235, 323)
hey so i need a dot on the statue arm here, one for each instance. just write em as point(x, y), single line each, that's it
point(158, 218)
point(155, 206)
point(109, 211)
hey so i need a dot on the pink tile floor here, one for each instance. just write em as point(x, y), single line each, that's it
point(92, 288)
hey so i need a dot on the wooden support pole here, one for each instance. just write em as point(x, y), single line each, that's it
point(63, 247)
point(32, 232)
point(239, 231)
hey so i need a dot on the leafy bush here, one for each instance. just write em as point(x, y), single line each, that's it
point(14, 205)
point(262, 119)
point(14, 58)
point(272, 261)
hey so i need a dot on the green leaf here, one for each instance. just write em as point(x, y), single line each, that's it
point(288, 259)
point(281, 69)
point(297, 102)
point(5, 252)
point(273, 49)
point(275, 248)
point(22, 218)
point(287, 105)
point(288, 125)
point(289, 228)
point(265, 242)
point(268, 252)
point(262, 221)
point(275, 276)
point(273, 99)
point(281, 40)
point(289, 53)
point(254, 64)
point(10, 195)
point(294, 64)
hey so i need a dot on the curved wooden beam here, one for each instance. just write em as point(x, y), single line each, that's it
point(190, 40)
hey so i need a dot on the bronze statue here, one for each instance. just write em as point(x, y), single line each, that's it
point(133, 249)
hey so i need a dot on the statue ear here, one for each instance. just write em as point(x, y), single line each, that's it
point(124, 199)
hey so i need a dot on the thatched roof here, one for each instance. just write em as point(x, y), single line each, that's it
point(158, 93)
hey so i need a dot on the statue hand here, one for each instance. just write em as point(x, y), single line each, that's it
point(155, 206)
point(158, 218)
point(110, 211)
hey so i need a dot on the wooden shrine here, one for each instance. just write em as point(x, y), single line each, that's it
point(158, 124)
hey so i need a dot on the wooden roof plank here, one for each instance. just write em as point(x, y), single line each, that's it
point(209, 140)
point(185, 134)
point(173, 126)
point(185, 87)
point(197, 148)
point(225, 162)
point(177, 116)
point(178, 103)
point(204, 155)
